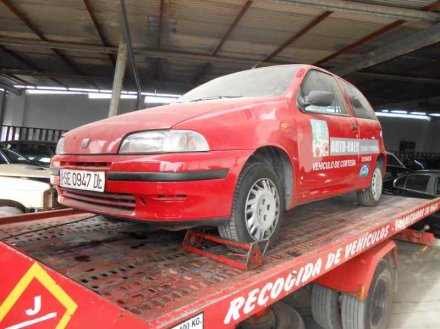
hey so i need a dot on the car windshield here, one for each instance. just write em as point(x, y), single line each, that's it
point(14, 157)
point(261, 82)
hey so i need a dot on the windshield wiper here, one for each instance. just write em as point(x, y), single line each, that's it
point(212, 97)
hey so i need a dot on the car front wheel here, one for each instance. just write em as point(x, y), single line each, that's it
point(370, 196)
point(258, 206)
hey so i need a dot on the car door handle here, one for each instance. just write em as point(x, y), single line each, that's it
point(354, 127)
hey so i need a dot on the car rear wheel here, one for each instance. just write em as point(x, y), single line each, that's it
point(258, 206)
point(370, 196)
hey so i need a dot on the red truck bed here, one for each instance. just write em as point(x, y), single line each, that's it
point(124, 274)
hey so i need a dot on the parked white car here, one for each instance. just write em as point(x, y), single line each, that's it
point(24, 187)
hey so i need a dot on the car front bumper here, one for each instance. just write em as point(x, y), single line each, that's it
point(167, 188)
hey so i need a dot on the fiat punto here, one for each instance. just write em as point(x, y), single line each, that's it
point(235, 153)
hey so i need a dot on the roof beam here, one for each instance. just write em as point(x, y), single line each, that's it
point(371, 36)
point(391, 77)
point(401, 47)
point(142, 52)
point(98, 29)
point(231, 28)
point(18, 80)
point(423, 101)
point(364, 9)
point(297, 35)
point(201, 72)
point(40, 35)
point(207, 66)
point(433, 6)
point(29, 64)
point(362, 41)
point(154, 84)
point(9, 88)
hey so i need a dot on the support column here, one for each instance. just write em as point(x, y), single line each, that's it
point(118, 78)
point(2, 111)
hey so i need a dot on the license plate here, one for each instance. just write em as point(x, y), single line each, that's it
point(83, 180)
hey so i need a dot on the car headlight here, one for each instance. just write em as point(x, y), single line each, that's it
point(60, 146)
point(163, 141)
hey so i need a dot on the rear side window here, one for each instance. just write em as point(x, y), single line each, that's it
point(417, 182)
point(438, 187)
point(361, 107)
point(319, 81)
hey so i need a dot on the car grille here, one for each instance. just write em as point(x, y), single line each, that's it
point(85, 165)
point(113, 202)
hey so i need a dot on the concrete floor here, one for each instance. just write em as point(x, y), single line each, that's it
point(417, 301)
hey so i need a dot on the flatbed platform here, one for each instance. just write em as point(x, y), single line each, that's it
point(147, 272)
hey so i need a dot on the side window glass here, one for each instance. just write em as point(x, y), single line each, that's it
point(361, 108)
point(417, 182)
point(2, 159)
point(320, 93)
point(438, 187)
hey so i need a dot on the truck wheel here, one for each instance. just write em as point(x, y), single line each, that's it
point(370, 196)
point(9, 211)
point(375, 311)
point(326, 307)
point(279, 316)
point(287, 317)
point(258, 206)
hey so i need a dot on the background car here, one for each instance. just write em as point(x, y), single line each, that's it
point(421, 184)
point(418, 184)
point(38, 152)
point(19, 195)
point(394, 168)
point(13, 164)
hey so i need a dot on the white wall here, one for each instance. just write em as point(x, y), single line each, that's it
point(426, 134)
point(58, 111)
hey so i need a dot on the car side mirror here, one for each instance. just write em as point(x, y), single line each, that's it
point(318, 98)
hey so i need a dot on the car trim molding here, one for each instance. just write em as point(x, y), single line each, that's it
point(167, 176)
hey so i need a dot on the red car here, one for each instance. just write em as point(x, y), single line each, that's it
point(235, 153)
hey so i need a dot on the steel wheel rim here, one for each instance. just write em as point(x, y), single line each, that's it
point(262, 209)
point(376, 184)
point(379, 304)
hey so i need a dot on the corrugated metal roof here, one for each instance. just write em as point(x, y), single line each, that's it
point(192, 26)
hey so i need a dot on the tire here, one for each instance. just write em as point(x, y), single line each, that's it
point(279, 316)
point(375, 311)
point(370, 196)
point(326, 307)
point(287, 317)
point(7, 211)
point(258, 190)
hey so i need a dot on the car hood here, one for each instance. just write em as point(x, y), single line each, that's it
point(24, 170)
point(104, 136)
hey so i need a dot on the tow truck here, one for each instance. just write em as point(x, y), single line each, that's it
point(70, 269)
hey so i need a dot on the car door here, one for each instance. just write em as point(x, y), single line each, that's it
point(327, 136)
point(369, 130)
point(415, 185)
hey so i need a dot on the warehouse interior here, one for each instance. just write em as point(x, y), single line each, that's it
point(70, 49)
point(65, 64)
